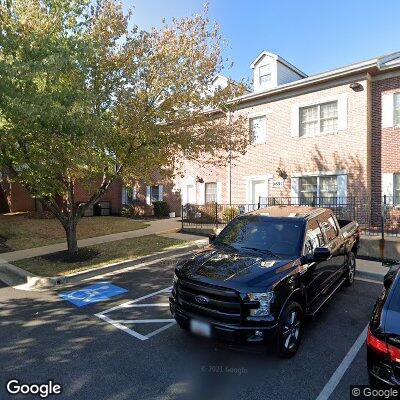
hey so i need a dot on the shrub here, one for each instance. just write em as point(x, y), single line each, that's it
point(137, 211)
point(161, 209)
point(229, 213)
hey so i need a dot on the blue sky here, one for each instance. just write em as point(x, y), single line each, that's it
point(313, 35)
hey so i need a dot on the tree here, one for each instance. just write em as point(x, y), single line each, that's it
point(85, 100)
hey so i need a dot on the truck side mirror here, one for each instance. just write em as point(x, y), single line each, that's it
point(321, 254)
point(211, 238)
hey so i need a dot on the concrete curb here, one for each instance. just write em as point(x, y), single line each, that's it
point(56, 247)
point(34, 282)
point(369, 275)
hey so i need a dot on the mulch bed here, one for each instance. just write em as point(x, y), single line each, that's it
point(83, 254)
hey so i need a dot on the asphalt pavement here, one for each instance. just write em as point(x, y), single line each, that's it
point(126, 347)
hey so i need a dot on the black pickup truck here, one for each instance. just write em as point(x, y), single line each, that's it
point(263, 273)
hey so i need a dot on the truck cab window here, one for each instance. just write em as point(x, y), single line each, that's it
point(314, 237)
point(328, 226)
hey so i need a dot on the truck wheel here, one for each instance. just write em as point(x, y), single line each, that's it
point(351, 269)
point(290, 330)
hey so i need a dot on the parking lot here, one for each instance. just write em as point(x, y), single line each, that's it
point(126, 346)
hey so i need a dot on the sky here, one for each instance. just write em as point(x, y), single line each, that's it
point(315, 36)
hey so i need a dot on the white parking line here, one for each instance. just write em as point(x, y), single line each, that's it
point(343, 367)
point(121, 324)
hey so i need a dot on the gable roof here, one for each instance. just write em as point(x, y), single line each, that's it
point(374, 65)
point(277, 58)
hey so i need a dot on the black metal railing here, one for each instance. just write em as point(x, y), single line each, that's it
point(376, 216)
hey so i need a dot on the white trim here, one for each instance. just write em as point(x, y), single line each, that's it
point(202, 193)
point(160, 192)
point(318, 173)
point(387, 108)
point(341, 182)
point(279, 59)
point(251, 178)
point(219, 192)
point(123, 195)
point(148, 195)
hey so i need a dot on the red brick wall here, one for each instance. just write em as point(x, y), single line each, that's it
point(20, 199)
point(385, 146)
point(345, 150)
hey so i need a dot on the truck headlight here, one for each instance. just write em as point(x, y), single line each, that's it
point(265, 299)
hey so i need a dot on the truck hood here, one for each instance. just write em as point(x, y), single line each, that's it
point(231, 269)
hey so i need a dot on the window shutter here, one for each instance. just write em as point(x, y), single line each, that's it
point(148, 197)
point(295, 121)
point(123, 197)
point(160, 192)
point(387, 187)
point(342, 112)
point(202, 193)
point(184, 191)
point(342, 189)
point(294, 183)
point(248, 196)
point(387, 110)
point(219, 192)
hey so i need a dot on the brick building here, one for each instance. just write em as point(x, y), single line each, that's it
point(334, 134)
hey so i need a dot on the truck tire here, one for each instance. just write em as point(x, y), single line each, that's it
point(350, 270)
point(290, 330)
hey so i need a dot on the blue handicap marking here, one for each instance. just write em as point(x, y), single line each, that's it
point(92, 293)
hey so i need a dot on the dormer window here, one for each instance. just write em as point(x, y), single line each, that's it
point(265, 75)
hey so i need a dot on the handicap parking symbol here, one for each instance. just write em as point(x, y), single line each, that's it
point(92, 294)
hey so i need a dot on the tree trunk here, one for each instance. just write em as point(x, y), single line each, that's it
point(72, 241)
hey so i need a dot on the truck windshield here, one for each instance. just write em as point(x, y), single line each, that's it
point(272, 236)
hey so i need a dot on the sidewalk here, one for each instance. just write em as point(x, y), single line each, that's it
point(156, 227)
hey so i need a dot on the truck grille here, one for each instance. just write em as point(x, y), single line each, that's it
point(223, 305)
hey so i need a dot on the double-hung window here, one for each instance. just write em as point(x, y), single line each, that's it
point(129, 195)
point(319, 118)
point(155, 193)
point(265, 75)
point(258, 129)
point(210, 192)
point(322, 190)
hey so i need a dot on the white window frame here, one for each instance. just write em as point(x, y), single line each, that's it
point(205, 192)
point(258, 140)
point(396, 108)
point(341, 192)
point(396, 179)
point(320, 119)
point(267, 68)
point(134, 194)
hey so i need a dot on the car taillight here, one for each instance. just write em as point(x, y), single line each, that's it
point(379, 345)
point(394, 353)
point(376, 344)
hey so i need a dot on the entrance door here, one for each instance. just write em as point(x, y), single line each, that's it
point(258, 189)
point(190, 194)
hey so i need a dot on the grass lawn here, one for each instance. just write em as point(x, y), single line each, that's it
point(23, 232)
point(106, 253)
